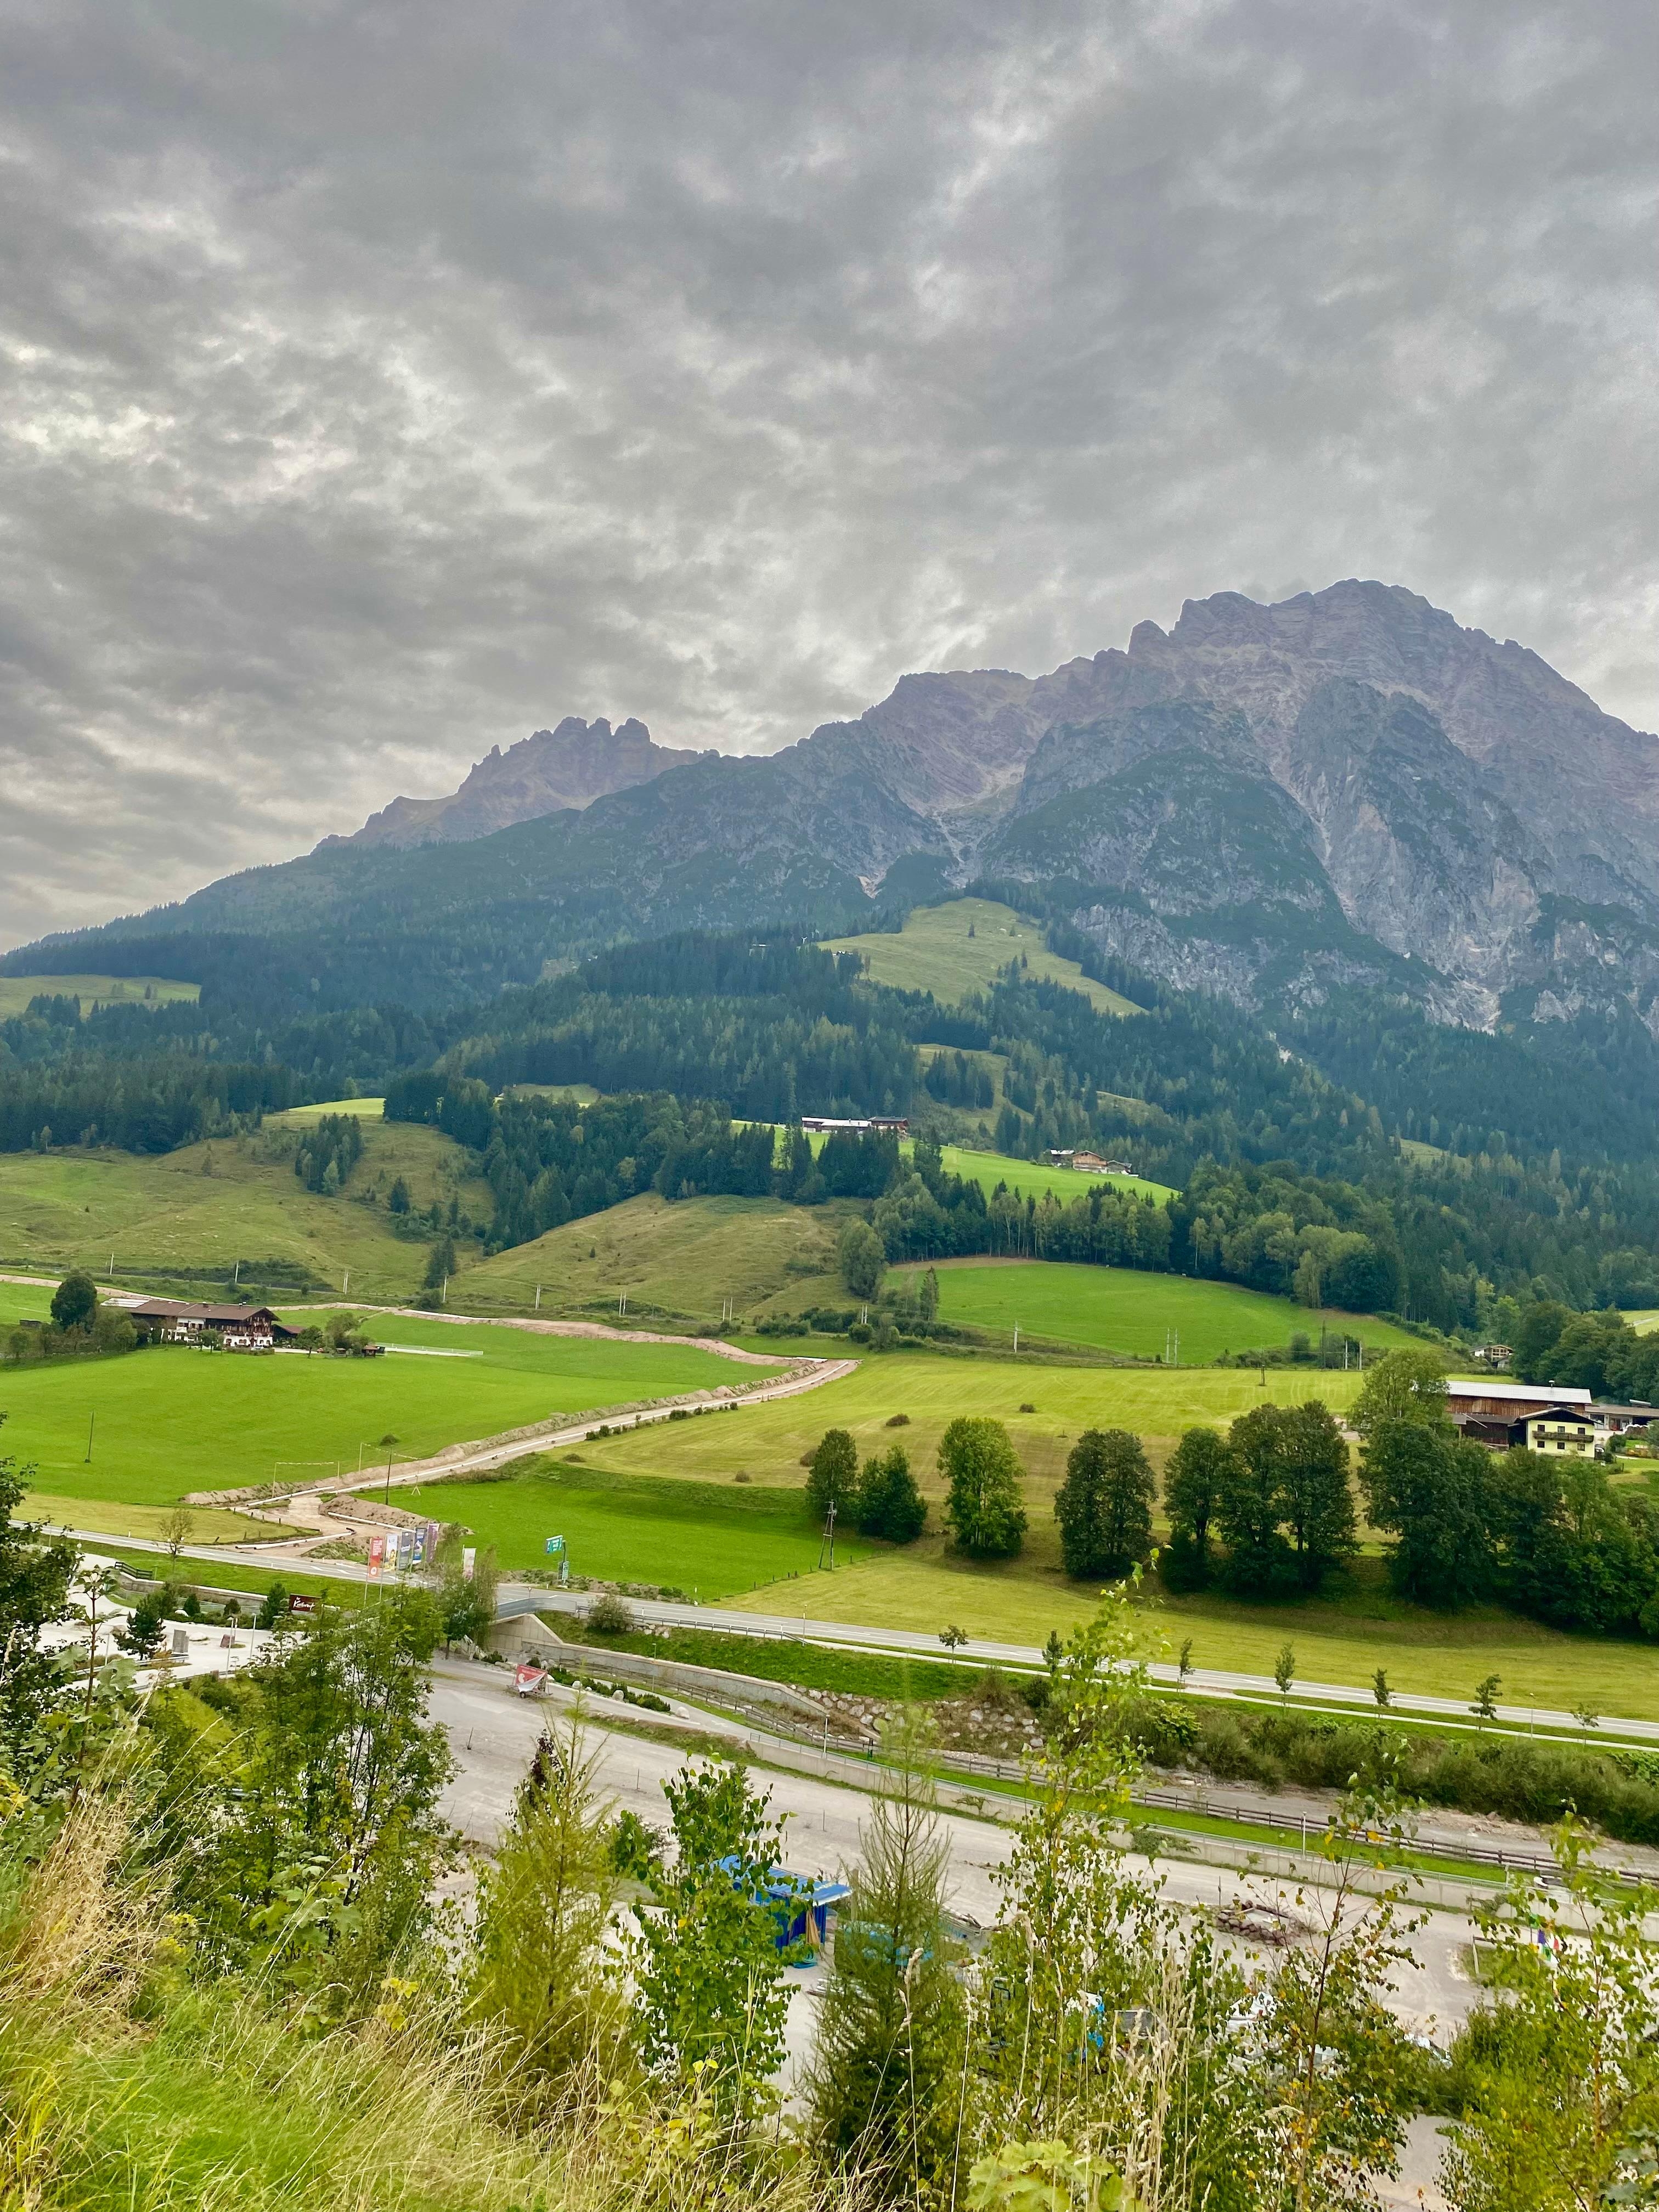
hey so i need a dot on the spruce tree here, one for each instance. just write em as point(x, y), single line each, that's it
point(888, 2046)
point(889, 1503)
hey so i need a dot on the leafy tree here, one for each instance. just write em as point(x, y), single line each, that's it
point(927, 1297)
point(1250, 1504)
point(1403, 1386)
point(708, 1969)
point(890, 2020)
point(1105, 1506)
point(539, 1977)
point(1316, 1494)
point(1434, 1493)
point(324, 1871)
point(1540, 1328)
point(1557, 2074)
point(860, 1258)
point(466, 1603)
point(1197, 1473)
point(35, 1572)
point(833, 1479)
point(1284, 1669)
point(890, 1505)
point(983, 1474)
point(75, 1301)
point(176, 1529)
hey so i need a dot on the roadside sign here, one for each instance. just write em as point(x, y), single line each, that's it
point(528, 1679)
point(555, 1543)
point(469, 1560)
point(376, 1558)
point(302, 1605)
point(405, 1550)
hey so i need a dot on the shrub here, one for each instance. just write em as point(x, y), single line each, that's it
point(611, 1616)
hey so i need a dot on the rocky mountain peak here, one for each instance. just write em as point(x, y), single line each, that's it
point(570, 766)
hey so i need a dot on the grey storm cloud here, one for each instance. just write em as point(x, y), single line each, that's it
point(382, 382)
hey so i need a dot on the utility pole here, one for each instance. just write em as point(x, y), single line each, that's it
point(828, 1537)
point(91, 1420)
point(443, 1294)
point(1016, 1336)
point(538, 1298)
point(345, 1283)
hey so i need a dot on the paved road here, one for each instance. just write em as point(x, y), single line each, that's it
point(494, 1735)
point(915, 1642)
point(516, 1599)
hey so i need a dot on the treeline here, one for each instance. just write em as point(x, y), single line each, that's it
point(150, 1105)
point(773, 1031)
point(328, 1152)
point(1269, 1509)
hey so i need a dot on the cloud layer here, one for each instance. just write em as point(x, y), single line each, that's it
point(383, 381)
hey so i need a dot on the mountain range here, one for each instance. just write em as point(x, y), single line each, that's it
point(1266, 802)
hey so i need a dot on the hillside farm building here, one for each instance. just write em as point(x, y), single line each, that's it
point(1089, 1163)
point(239, 1328)
point(884, 1125)
point(1524, 1416)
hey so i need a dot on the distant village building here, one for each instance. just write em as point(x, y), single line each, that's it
point(239, 1328)
point(1523, 1416)
point(884, 1125)
point(1090, 1163)
point(1492, 1355)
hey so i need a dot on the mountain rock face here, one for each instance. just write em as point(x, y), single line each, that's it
point(569, 767)
point(1266, 801)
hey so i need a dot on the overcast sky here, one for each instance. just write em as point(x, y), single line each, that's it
point(383, 381)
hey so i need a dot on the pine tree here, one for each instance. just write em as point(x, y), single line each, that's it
point(891, 2021)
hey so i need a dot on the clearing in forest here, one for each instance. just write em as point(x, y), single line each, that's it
point(935, 952)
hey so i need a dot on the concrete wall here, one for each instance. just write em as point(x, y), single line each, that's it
point(529, 1637)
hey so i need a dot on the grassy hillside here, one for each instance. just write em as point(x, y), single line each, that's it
point(196, 1211)
point(171, 1420)
point(361, 1109)
point(1122, 1309)
point(1033, 1179)
point(16, 991)
point(708, 1540)
point(676, 1262)
point(935, 952)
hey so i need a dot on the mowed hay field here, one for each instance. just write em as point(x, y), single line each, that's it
point(674, 1262)
point(1342, 1637)
point(171, 1420)
point(197, 1212)
point(935, 952)
point(16, 991)
point(711, 1540)
point(1127, 1309)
